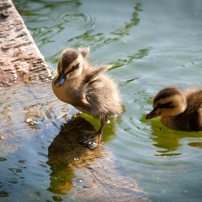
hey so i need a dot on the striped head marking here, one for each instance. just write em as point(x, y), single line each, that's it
point(70, 64)
point(168, 102)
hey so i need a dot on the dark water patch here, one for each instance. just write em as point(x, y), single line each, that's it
point(2, 159)
point(4, 194)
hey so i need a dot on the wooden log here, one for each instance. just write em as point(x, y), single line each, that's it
point(20, 59)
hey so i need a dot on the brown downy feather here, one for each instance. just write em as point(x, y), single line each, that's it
point(86, 88)
point(178, 110)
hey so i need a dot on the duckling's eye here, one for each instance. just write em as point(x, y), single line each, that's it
point(75, 67)
point(166, 105)
point(161, 105)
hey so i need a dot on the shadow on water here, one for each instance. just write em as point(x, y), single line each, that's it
point(65, 154)
point(87, 174)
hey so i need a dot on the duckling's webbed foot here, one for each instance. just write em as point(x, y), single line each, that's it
point(92, 139)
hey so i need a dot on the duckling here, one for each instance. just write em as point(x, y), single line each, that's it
point(85, 87)
point(178, 110)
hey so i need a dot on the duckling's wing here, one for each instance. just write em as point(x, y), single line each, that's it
point(95, 73)
point(89, 78)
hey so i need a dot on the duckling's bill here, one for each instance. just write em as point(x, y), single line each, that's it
point(152, 114)
point(59, 81)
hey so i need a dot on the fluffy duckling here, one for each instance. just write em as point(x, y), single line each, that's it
point(178, 110)
point(86, 88)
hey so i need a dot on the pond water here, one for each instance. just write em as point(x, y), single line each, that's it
point(151, 44)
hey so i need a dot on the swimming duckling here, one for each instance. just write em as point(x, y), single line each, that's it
point(86, 88)
point(178, 110)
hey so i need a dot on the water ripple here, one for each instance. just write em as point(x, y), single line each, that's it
point(80, 19)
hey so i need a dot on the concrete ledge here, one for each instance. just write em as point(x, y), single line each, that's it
point(20, 59)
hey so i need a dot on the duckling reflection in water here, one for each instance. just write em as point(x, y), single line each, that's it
point(87, 88)
point(178, 110)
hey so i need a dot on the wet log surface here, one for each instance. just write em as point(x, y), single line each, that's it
point(20, 59)
point(33, 118)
